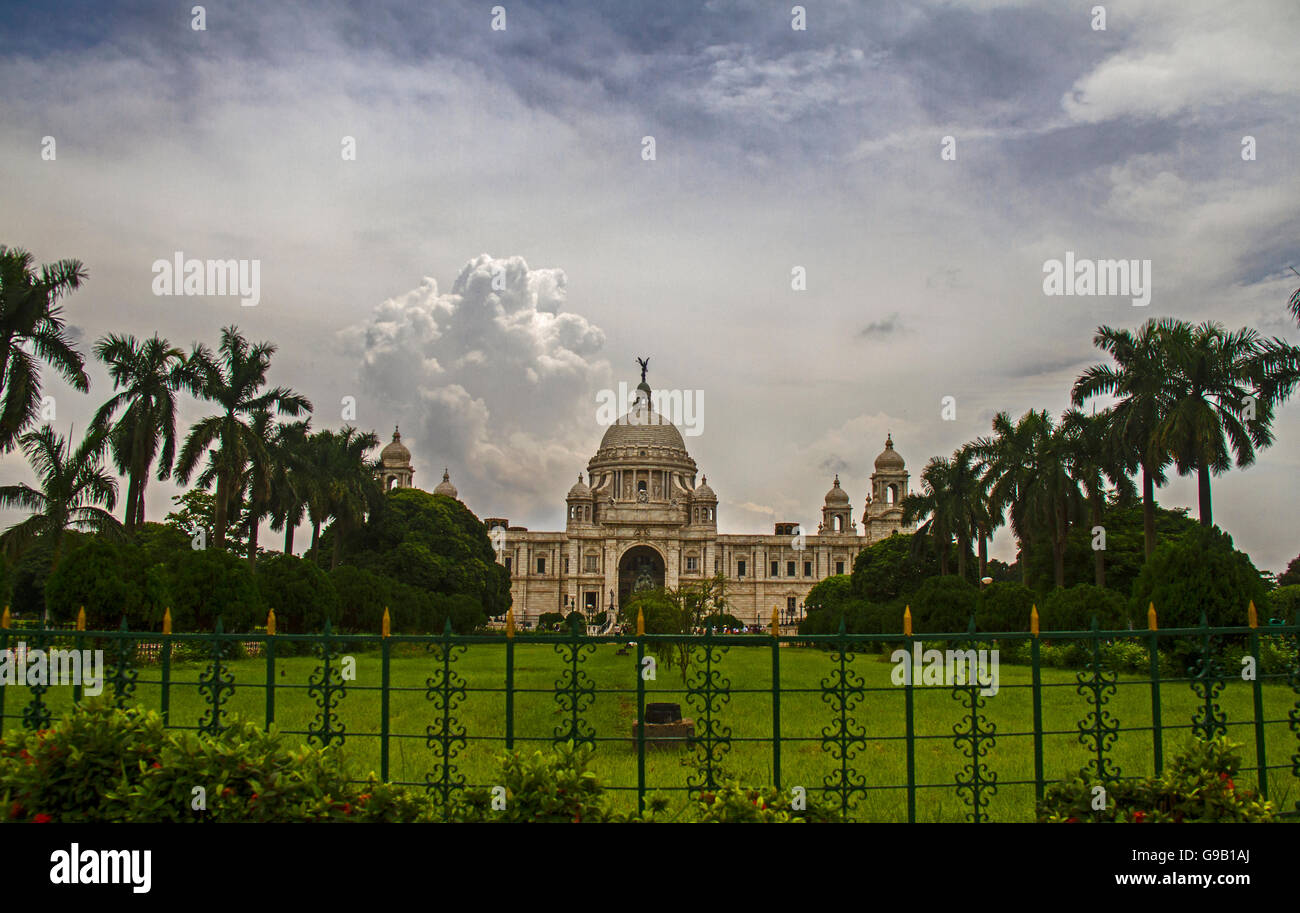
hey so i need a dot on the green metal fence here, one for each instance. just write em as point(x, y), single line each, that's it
point(841, 731)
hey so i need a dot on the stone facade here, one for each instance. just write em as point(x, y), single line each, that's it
point(640, 519)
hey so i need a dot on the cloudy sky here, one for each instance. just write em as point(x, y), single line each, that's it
point(520, 154)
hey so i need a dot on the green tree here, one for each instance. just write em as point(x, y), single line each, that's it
point(233, 379)
point(72, 485)
point(1216, 410)
point(1004, 607)
point(1283, 604)
point(1073, 608)
point(301, 594)
point(194, 520)
point(350, 488)
point(111, 580)
point(209, 583)
point(1292, 573)
point(148, 374)
point(32, 330)
point(1139, 380)
point(943, 605)
point(1096, 460)
point(892, 568)
point(290, 477)
point(1199, 572)
point(829, 594)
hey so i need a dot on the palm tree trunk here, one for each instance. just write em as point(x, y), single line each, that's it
point(315, 536)
point(1098, 555)
point(219, 514)
point(1148, 509)
point(252, 545)
point(1203, 493)
point(289, 526)
point(338, 546)
point(132, 501)
point(1058, 546)
point(984, 554)
point(139, 507)
point(962, 546)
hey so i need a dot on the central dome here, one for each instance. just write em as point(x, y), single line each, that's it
point(642, 427)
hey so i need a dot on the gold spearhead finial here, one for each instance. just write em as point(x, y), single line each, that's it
point(386, 624)
point(776, 625)
point(81, 618)
point(640, 622)
point(907, 621)
point(4, 619)
point(1251, 615)
point(510, 622)
point(1033, 619)
point(167, 620)
point(270, 622)
point(1151, 617)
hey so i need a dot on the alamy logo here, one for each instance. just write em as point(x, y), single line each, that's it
point(22, 666)
point(179, 276)
point(683, 408)
point(1098, 277)
point(946, 667)
point(78, 866)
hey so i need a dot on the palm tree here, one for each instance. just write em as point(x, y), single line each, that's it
point(1215, 411)
point(1096, 459)
point(1139, 380)
point(351, 489)
point(234, 381)
point(936, 501)
point(31, 328)
point(148, 374)
point(1029, 474)
point(72, 485)
point(979, 506)
point(289, 481)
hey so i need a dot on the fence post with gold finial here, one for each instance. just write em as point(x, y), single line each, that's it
point(909, 717)
point(1036, 686)
point(510, 678)
point(1153, 652)
point(776, 698)
point(166, 650)
point(79, 639)
point(385, 671)
point(5, 619)
point(1257, 693)
point(641, 710)
point(269, 650)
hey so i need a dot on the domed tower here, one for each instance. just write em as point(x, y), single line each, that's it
point(704, 505)
point(579, 504)
point(395, 469)
point(445, 487)
point(837, 512)
point(642, 465)
point(884, 511)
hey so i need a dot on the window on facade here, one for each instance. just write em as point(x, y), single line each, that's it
point(692, 563)
point(591, 564)
point(776, 572)
point(541, 565)
point(789, 568)
point(807, 568)
point(507, 562)
point(839, 567)
point(566, 565)
point(740, 569)
point(589, 602)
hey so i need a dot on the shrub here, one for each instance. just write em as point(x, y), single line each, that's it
point(301, 594)
point(1004, 607)
point(550, 621)
point(111, 580)
point(211, 582)
point(732, 803)
point(1198, 786)
point(942, 605)
point(541, 788)
point(1283, 604)
point(1072, 609)
point(100, 763)
point(1198, 572)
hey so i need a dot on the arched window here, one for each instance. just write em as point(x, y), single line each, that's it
point(891, 494)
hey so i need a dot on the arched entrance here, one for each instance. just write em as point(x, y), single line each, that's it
point(641, 567)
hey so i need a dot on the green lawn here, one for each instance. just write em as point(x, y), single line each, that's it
point(748, 713)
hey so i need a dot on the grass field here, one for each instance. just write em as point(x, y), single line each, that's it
point(748, 714)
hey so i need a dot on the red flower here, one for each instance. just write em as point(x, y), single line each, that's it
point(347, 808)
point(1231, 787)
point(16, 810)
point(1071, 820)
point(1139, 817)
point(42, 818)
point(24, 754)
point(227, 793)
point(155, 765)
